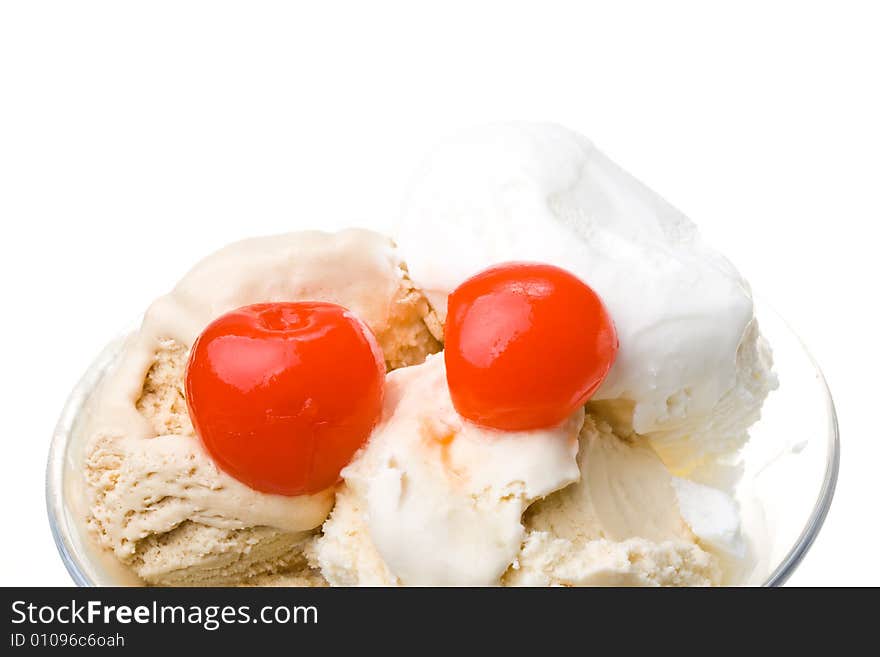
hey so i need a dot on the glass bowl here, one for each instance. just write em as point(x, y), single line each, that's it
point(789, 468)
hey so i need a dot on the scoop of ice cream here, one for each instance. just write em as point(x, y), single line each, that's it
point(621, 524)
point(433, 499)
point(156, 498)
point(413, 512)
point(168, 512)
point(682, 312)
point(624, 492)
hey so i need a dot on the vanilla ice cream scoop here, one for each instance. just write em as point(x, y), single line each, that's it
point(542, 193)
point(156, 498)
point(434, 500)
point(627, 522)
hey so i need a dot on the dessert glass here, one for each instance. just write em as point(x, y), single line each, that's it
point(789, 468)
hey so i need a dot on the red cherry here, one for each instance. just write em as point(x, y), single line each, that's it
point(283, 394)
point(526, 345)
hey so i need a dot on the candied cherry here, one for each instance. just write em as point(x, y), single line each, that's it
point(526, 345)
point(283, 394)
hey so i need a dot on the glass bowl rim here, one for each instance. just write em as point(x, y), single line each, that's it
point(808, 535)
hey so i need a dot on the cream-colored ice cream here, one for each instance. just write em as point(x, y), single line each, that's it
point(435, 500)
point(633, 490)
point(156, 499)
point(621, 524)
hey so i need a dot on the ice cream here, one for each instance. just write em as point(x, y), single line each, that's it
point(156, 499)
point(634, 489)
point(435, 500)
point(438, 500)
point(692, 370)
point(621, 524)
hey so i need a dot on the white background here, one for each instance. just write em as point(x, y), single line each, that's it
point(135, 138)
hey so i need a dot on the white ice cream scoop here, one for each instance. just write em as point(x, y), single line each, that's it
point(542, 193)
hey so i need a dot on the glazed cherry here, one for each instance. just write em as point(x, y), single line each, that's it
point(526, 345)
point(283, 394)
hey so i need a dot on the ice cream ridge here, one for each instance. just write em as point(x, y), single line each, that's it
point(544, 380)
